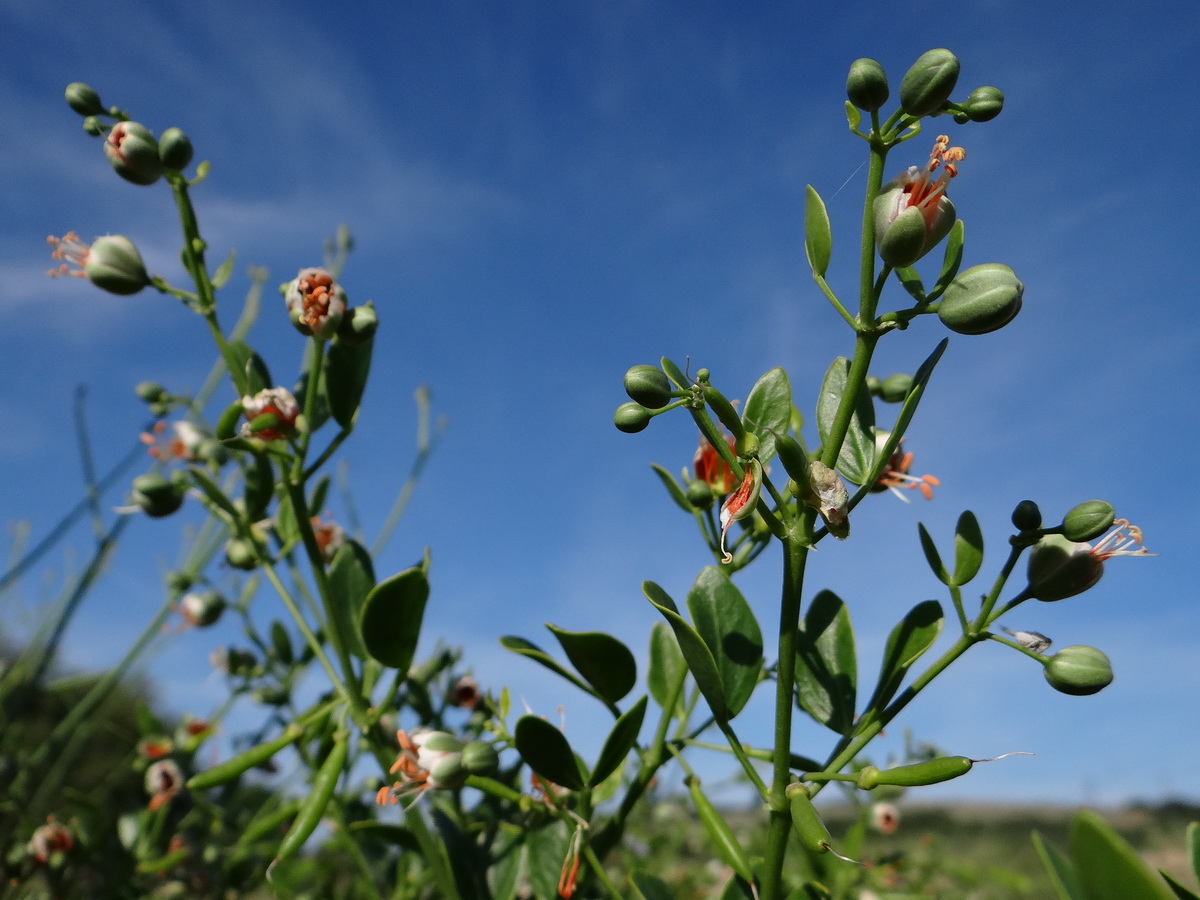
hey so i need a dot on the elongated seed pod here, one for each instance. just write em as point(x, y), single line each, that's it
point(724, 410)
point(934, 771)
point(807, 821)
point(721, 834)
point(227, 424)
point(232, 768)
point(263, 826)
point(312, 807)
point(793, 458)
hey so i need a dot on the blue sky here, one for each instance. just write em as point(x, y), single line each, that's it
point(544, 194)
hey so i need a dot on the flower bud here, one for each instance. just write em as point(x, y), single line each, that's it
point(133, 153)
point(983, 104)
point(175, 149)
point(155, 495)
point(150, 391)
point(982, 299)
point(631, 417)
point(928, 84)
point(114, 264)
point(358, 325)
point(699, 494)
point(895, 388)
point(1026, 516)
point(867, 85)
point(648, 386)
point(202, 609)
point(480, 758)
point(1059, 568)
point(1078, 670)
point(93, 126)
point(82, 99)
point(1088, 520)
point(240, 554)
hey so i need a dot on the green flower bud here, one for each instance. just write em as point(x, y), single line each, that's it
point(212, 451)
point(699, 494)
point(359, 325)
point(240, 554)
point(895, 388)
point(1078, 670)
point(93, 126)
point(648, 386)
point(156, 496)
point(84, 100)
point(150, 391)
point(631, 417)
point(1088, 520)
point(747, 446)
point(114, 264)
point(867, 85)
point(983, 104)
point(271, 696)
point(175, 149)
point(133, 152)
point(1026, 516)
point(872, 384)
point(928, 84)
point(179, 582)
point(982, 299)
point(1059, 568)
point(202, 609)
point(480, 758)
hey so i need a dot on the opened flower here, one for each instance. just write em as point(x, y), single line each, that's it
point(181, 444)
point(164, 780)
point(330, 536)
point(895, 474)
point(112, 262)
point(1059, 568)
point(428, 759)
point(709, 467)
point(49, 838)
point(912, 211)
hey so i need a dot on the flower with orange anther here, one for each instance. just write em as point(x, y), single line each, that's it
point(912, 212)
point(708, 466)
point(895, 474)
point(885, 818)
point(49, 838)
point(315, 302)
point(1059, 568)
point(180, 444)
point(330, 536)
point(164, 781)
point(465, 694)
point(112, 262)
point(271, 414)
point(428, 759)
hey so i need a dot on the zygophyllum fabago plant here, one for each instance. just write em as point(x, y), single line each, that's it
point(428, 786)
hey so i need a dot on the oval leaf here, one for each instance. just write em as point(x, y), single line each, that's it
point(968, 548)
point(667, 667)
point(619, 742)
point(672, 487)
point(818, 236)
point(390, 622)
point(546, 751)
point(915, 634)
point(1110, 869)
point(726, 624)
point(604, 662)
point(827, 664)
point(932, 556)
point(856, 458)
point(768, 411)
point(346, 369)
point(699, 658)
point(1063, 876)
point(258, 377)
point(351, 577)
point(910, 279)
point(530, 650)
point(952, 258)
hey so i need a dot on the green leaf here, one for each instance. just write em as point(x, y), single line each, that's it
point(619, 742)
point(215, 495)
point(530, 650)
point(1193, 847)
point(545, 850)
point(390, 622)
point(286, 524)
point(768, 411)
point(346, 369)
point(932, 556)
point(699, 658)
point(818, 237)
point(672, 487)
point(351, 578)
point(546, 751)
point(677, 377)
point(221, 276)
point(468, 863)
point(1180, 891)
point(968, 548)
point(259, 476)
point(147, 722)
point(827, 664)
point(320, 410)
point(738, 888)
point(1110, 869)
point(666, 666)
point(920, 379)
point(853, 116)
point(649, 887)
point(604, 662)
point(504, 862)
point(915, 634)
point(726, 624)
point(258, 376)
point(951, 259)
point(857, 456)
point(910, 280)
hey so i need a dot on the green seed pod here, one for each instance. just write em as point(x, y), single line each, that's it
point(929, 83)
point(699, 494)
point(81, 98)
point(867, 85)
point(895, 388)
point(1059, 569)
point(728, 846)
point(648, 386)
point(982, 299)
point(265, 825)
point(933, 771)
point(156, 496)
point(811, 830)
point(793, 457)
point(313, 808)
point(1078, 670)
point(175, 149)
point(984, 103)
point(1088, 520)
point(243, 762)
point(132, 151)
point(725, 412)
point(480, 758)
point(631, 417)
point(1026, 516)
